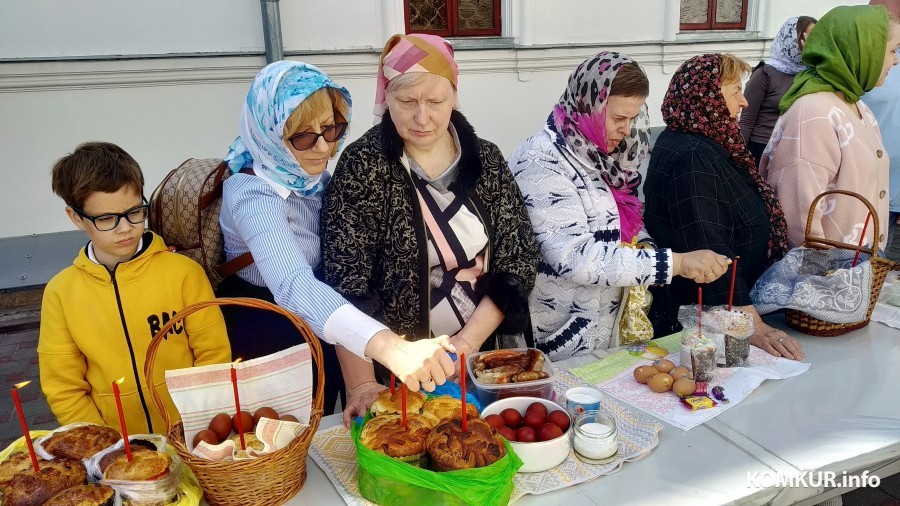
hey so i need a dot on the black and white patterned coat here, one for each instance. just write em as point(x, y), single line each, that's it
point(584, 268)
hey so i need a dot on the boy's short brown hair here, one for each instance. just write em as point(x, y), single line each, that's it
point(95, 167)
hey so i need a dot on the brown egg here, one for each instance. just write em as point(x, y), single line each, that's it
point(206, 435)
point(221, 425)
point(644, 372)
point(264, 413)
point(661, 382)
point(289, 418)
point(664, 365)
point(684, 387)
point(680, 372)
point(246, 422)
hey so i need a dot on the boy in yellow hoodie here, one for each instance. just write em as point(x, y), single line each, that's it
point(100, 314)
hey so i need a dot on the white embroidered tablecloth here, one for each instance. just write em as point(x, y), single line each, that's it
point(738, 383)
point(334, 452)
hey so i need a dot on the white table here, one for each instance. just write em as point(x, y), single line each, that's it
point(841, 415)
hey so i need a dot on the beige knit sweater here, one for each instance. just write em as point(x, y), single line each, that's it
point(821, 144)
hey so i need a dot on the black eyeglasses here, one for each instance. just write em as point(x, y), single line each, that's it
point(105, 222)
point(306, 140)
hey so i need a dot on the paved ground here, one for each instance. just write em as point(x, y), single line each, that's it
point(18, 362)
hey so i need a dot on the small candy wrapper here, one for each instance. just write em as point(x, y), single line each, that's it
point(281, 381)
point(719, 393)
point(270, 434)
point(697, 402)
point(700, 388)
point(652, 352)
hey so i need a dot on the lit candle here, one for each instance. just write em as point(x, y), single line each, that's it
point(237, 405)
point(15, 395)
point(115, 386)
point(462, 387)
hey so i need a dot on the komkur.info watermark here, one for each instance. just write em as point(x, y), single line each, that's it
point(816, 479)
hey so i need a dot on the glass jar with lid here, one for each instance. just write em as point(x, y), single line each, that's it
point(595, 437)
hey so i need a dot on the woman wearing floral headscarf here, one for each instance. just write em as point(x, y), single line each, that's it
point(422, 226)
point(828, 138)
point(703, 191)
point(579, 176)
point(769, 82)
point(292, 122)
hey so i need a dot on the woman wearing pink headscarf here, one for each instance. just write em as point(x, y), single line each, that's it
point(423, 226)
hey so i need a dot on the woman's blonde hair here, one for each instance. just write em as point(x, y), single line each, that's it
point(311, 108)
point(732, 68)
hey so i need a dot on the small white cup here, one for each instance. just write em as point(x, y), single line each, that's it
point(581, 399)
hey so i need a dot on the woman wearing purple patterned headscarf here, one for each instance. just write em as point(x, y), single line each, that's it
point(579, 176)
point(703, 191)
point(771, 80)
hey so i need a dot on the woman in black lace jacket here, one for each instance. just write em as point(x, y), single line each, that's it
point(423, 226)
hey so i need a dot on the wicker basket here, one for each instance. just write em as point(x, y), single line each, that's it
point(807, 324)
point(268, 480)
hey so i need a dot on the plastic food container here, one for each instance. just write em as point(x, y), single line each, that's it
point(489, 393)
point(539, 455)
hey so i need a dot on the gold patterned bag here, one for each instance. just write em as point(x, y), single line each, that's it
point(634, 325)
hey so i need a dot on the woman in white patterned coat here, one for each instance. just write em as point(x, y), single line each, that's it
point(579, 177)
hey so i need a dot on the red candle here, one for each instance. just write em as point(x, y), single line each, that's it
point(237, 407)
point(403, 405)
point(15, 395)
point(862, 237)
point(733, 275)
point(393, 383)
point(699, 311)
point(115, 385)
point(462, 387)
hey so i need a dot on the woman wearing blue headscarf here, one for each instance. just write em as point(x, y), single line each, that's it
point(293, 121)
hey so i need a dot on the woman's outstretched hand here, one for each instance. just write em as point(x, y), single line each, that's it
point(419, 364)
point(703, 266)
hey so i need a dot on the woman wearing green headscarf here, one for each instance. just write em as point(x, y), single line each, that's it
point(826, 137)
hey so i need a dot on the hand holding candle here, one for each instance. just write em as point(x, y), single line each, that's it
point(25, 432)
point(115, 386)
point(237, 406)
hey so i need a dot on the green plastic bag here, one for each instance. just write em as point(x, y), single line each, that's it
point(388, 482)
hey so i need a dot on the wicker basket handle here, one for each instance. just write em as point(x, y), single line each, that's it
point(809, 240)
point(311, 339)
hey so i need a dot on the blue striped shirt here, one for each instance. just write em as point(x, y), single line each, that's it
point(281, 229)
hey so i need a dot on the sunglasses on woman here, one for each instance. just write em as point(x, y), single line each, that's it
point(306, 140)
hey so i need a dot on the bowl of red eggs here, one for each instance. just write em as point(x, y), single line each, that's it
point(537, 429)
